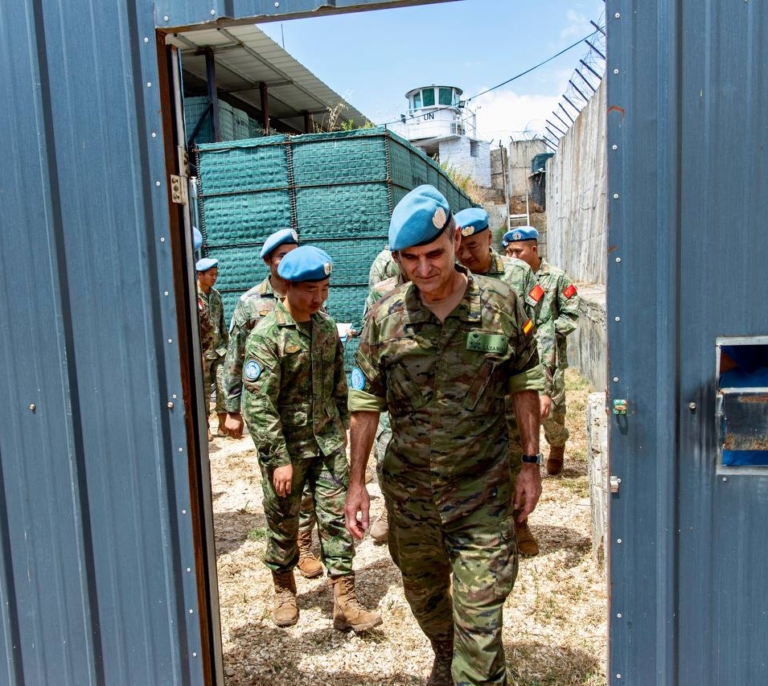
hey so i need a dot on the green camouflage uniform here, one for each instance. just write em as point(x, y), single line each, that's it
point(558, 317)
point(213, 353)
point(295, 404)
point(521, 279)
point(445, 475)
point(383, 267)
point(251, 308)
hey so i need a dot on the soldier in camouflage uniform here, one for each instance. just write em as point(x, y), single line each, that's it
point(253, 306)
point(559, 316)
point(213, 353)
point(440, 354)
point(383, 267)
point(206, 338)
point(477, 254)
point(294, 403)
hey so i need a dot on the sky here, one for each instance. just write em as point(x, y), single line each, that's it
point(372, 58)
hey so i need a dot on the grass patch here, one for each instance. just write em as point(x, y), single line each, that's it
point(257, 534)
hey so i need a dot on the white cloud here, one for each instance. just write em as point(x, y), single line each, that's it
point(502, 114)
point(578, 25)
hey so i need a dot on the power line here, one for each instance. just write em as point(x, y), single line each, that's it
point(514, 78)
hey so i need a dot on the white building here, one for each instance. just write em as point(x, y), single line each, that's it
point(441, 125)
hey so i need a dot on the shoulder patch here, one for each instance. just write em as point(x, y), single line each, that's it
point(358, 379)
point(527, 327)
point(252, 370)
point(537, 293)
point(570, 291)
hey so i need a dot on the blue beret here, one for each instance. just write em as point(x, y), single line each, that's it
point(306, 263)
point(278, 238)
point(197, 239)
point(205, 264)
point(419, 218)
point(472, 221)
point(520, 233)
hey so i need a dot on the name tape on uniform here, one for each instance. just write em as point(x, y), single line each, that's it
point(487, 342)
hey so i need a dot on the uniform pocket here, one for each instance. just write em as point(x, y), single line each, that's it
point(507, 561)
point(402, 391)
point(294, 415)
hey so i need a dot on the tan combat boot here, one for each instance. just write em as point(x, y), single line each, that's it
point(284, 609)
point(380, 528)
point(555, 459)
point(348, 613)
point(441, 667)
point(309, 565)
point(526, 543)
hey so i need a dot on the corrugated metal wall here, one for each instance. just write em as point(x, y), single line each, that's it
point(688, 197)
point(106, 572)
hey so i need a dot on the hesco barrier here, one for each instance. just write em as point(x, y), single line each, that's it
point(336, 189)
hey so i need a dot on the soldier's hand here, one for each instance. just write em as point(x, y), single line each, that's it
point(234, 424)
point(527, 490)
point(281, 478)
point(545, 403)
point(358, 500)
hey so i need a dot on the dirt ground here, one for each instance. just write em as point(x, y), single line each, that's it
point(555, 619)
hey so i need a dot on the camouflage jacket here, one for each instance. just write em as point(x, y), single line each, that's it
point(379, 290)
point(444, 386)
point(521, 279)
point(219, 337)
point(560, 309)
point(252, 306)
point(383, 267)
point(295, 389)
point(206, 328)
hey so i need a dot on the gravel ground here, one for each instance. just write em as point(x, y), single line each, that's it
point(555, 619)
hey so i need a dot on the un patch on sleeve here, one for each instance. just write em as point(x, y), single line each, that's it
point(252, 370)
point(358, 379)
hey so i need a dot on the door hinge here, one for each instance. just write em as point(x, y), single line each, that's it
point(615, 483)
point(179, 189)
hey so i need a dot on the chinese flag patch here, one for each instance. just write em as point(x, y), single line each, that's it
point(570, 291)
point(537, 293)
point(527, 327)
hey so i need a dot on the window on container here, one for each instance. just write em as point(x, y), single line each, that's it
point(417, 101)
point(742, 401)
point(428, 94)
point(445, 96)
point(474, 149)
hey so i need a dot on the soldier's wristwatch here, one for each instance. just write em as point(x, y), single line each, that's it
point(532, 459)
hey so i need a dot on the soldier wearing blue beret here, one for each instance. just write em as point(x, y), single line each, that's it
point(440, 353)
point(558, 317)
point(295, 406)
point(254, 305)
point(211, 309)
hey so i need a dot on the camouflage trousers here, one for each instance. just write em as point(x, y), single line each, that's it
point(554, 425)
point(328, 480)
point(383, 437)
point(214, 379)
point(479, 549)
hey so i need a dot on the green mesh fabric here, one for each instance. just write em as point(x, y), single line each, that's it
point(336, 189)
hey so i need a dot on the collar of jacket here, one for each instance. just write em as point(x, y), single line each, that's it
point(469, 309)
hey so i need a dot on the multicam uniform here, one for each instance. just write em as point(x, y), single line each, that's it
point(295, 405)
point(383, 267)
point(251, 308)
point(519, 277)
point(445, 475)
point(213, 353)
point(559, 316)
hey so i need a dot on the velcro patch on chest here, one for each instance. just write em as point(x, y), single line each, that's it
point(486, 342)
point(570, 291)
point(537, 293)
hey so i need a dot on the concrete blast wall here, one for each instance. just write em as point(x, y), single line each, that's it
point(576, 196)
